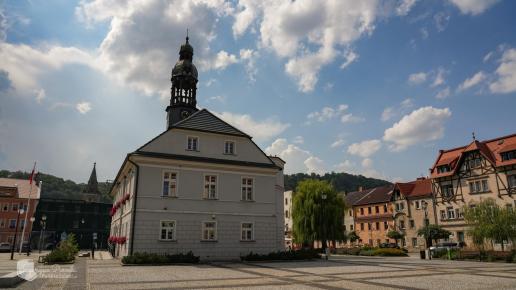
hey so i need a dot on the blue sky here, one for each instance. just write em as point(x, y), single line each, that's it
point(366, 87)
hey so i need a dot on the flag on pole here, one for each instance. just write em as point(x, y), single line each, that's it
point(31, 178)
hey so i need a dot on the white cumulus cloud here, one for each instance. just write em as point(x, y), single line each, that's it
point(473, 7)
point(472, 81)
point(365, 148)
point(505, 81)
point(262, 130)
point(422, 125)
point(83, 107)
point(417, 78)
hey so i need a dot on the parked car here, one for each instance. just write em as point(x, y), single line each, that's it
point(389, 245)
point(5, 247)
point(445, 246)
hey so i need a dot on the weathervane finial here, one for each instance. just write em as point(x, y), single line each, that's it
point(187, 35)
point(473, 134)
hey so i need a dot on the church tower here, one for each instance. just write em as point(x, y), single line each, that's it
point(91, 192)
point(184, 87)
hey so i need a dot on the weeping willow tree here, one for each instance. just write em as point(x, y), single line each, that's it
point(317, 213)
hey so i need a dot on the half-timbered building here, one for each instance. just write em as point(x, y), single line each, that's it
point(466, 175)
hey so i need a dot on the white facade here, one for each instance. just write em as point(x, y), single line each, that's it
point(287, 203)
point(215, 204)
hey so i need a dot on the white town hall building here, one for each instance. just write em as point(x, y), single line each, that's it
point(201, 186)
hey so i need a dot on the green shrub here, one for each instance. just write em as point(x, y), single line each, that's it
point(389, 252)
point(65, 251)
point(367, 252)
point(302, 254)
point(348, 251)
point(153, 258)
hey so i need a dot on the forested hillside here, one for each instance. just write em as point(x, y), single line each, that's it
point(56, 187)
point(343, 182)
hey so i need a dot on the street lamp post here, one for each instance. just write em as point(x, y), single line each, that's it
point(32, 219)
point(20, 211)
point(43, 223)
point(425, 208)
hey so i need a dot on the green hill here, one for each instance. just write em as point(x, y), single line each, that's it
point(57, 187)
point(343, 182)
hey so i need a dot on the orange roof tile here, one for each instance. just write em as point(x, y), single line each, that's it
point(490, 149)
point(23, 187)
point(421, 187)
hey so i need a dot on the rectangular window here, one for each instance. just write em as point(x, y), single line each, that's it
point(447, 191)
point(193, 143)
point(385, 226)
point(209, 231)
point(443, 215)
point(247, 232)
point(377, 209)
point(350, 227)
point(247, 189)
point(168, 230)
point(384, 208)
point(361, 226)
point(14, 207)
point(369, 210)
point(443, 169)
point(169, 184)
point(511, 180)
point(368, 226)
point(450, 212)
point(412, 224)
point(210, 187)
point(229, 147)
point(508, 155)
point(350, 213)
point(286, 201)
point(377, 226)
point(458, 213)
point(286, 213)
point(418, 204)
point(5, 207)
point(414, 242)
point(12, 224)
point(2, 223)
point(361, 211)
point(485, 185)
point(402, 225)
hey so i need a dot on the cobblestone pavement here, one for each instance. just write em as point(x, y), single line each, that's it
point(340, 272)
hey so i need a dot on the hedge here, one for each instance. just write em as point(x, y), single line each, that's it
point(153, 259)
point(282, 255)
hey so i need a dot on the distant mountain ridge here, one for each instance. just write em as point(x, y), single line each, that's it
point(57, 187)
point(342, 182)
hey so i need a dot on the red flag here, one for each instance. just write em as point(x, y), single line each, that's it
point(31, 178)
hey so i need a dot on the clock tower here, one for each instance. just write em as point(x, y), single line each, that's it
point(184, 87)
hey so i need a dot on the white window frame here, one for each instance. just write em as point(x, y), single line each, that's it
point(203, 228)
point(173, 230)
point(246, 186)
point(450, 213)
point(226, 142)
point(188, 148)
point(206, 195)
point(444, 215)
point(418, 204)
point(252, 232)
point(163, 183)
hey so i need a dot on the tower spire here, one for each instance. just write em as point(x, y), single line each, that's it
point(183, 100)
point(93, 185)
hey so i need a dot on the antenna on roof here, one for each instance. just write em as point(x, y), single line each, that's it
point(473, 134)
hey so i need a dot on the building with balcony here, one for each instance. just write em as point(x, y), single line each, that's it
point(465, 175)
point(372, 214)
